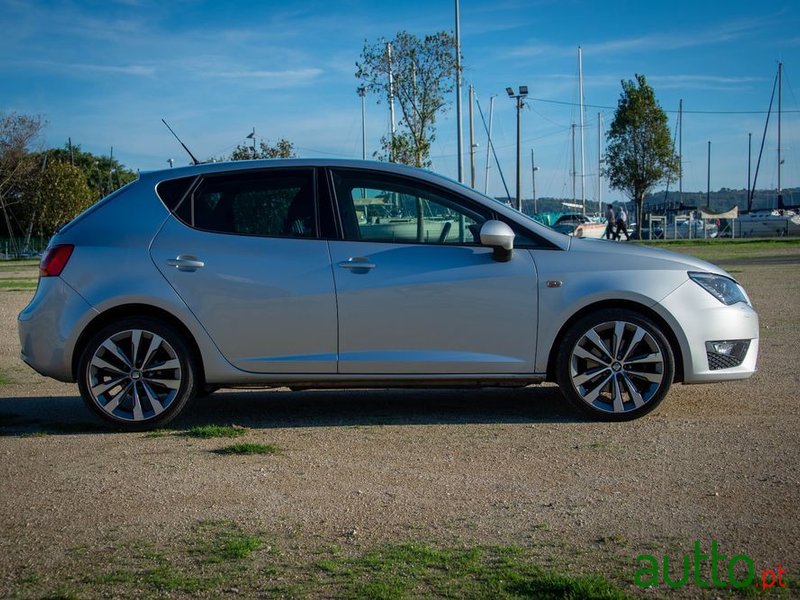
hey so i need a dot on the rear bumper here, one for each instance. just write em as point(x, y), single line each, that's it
point(48, 328)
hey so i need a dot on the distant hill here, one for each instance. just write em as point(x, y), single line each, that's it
point(721, 200)
point(658, 202)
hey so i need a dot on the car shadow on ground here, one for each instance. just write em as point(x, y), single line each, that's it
point(260, 409)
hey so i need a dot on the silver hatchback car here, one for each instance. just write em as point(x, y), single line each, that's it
point(331, 273)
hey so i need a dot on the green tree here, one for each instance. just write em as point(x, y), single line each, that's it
point(53, 196)
point(640, 153)
point(282, 149)
point(103, 173)
point(423, 73)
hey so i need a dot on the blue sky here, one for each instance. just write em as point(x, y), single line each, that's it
point(106, 72)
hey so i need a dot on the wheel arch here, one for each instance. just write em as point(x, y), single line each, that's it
point(611, 304)
point(125, 311)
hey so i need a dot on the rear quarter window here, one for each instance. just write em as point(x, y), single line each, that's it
point(173, 191)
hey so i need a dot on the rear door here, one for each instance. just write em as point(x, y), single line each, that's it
point(243, 251)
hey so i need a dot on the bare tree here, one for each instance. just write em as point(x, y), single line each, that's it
point(18, 136)
point(423, 72)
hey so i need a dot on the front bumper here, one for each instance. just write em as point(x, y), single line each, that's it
point(697, 318)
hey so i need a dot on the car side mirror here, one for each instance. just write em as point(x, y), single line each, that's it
point(500, 237)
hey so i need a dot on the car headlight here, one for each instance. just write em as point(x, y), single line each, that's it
point(724, 289)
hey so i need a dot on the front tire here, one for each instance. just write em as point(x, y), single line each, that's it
point(137, 374)
point(615, 365)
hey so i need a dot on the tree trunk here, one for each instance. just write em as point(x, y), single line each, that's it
point(639, 215)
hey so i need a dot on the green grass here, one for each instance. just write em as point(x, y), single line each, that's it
point(162, 576)
point(18, 285)
point(4, 379)
point(18, 264)
point(221, 541)
point(221, 559)
point(730, 249)
point(159, 433)
point(216, 431)
point(245, 448)
point(419, 570)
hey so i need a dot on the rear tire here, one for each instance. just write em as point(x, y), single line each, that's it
point(137, 373)
point(615, 365)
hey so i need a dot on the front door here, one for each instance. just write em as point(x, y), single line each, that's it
point(417, 293)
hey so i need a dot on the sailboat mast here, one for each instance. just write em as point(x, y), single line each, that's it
point(780, 89)
point(583, 172)
point(680, 151)
point(599, 163)
point(391, 101)
point(459, 125)
point(573, 163)
point(488, 145)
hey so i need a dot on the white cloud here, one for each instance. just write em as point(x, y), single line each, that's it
point(287, 78)
point(88, 69)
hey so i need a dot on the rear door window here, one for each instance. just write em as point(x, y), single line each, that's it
point(273, 203)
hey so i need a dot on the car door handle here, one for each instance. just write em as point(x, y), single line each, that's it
point(186, 263)
point(356, 263)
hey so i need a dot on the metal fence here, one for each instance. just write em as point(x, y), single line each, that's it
point(19, 249)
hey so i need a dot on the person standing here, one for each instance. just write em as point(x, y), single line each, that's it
point(622, 224)
point(610, 222)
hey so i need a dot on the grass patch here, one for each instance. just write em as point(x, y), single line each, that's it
point(224, 541)
point(221, 559)
point(15, 264)
point(216, 431)
point(245, 448)
point(715, 249)
point(419, 570)
point(210, 560)
point(18, 285)
point(161, 576)
point(4, 380)
point(159, 433)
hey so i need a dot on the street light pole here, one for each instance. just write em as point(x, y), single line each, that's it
point(708, 181)
point(459, 130)
point(523, 91)
point(362, 91)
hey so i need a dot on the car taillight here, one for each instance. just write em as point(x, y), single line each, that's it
point(54, 260)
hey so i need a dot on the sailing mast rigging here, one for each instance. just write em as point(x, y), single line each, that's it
point(775, 86)
point(583, 162)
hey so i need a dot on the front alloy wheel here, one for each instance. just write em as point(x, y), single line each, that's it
point(138, 373)
point(615, 365)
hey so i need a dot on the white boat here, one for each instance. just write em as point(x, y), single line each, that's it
point(578, 225)
point(769, 223)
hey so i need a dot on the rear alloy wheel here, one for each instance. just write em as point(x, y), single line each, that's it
point(615, 365)
point(138, 373)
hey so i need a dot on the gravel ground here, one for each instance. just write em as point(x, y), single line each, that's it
point(364, 468)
